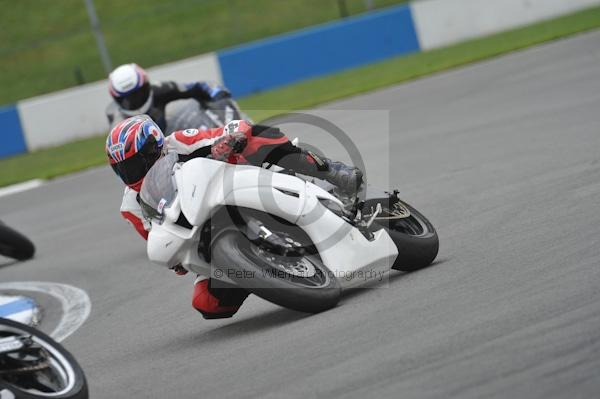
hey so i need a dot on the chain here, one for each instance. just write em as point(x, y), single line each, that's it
point(37, 367)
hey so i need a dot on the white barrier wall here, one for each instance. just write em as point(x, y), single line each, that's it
point(443, 22)
point(64, 116)
point(72, 114)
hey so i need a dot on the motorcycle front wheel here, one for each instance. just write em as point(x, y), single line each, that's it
point(14, 244)
point(299, 282)
point(41, 369)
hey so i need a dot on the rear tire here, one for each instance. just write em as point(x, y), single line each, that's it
point(14, 244)
point(233, 251)
point(415, 237)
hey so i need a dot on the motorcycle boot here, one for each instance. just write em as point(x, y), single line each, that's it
point(347, 178)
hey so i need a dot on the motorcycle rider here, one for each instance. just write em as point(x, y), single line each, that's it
point(133, 94)
point(135, 144)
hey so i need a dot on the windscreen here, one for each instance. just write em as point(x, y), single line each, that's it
point(159, 189)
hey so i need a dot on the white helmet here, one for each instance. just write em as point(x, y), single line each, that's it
point(130, 87)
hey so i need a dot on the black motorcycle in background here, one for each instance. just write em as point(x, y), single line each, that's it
point(14, 244)
point(34, 366)
point(191, 114)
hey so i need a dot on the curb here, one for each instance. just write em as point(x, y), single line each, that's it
point(19, 308)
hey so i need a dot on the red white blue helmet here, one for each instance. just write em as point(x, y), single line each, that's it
point(132, 147)
point(130, 88)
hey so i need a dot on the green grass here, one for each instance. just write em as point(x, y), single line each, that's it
point(43, 42)
point(53, 162)
point(401, 69)
point(82, 154)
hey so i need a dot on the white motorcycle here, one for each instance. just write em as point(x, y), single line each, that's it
point(293, 241)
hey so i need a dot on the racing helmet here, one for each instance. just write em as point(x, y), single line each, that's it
point(132, 147)
point(130, 88)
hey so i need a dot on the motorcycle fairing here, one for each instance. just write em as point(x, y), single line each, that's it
point(205, 185)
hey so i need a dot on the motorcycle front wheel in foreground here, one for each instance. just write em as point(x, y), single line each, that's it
point(298, 282)
point(42, 368)
point(14, 244)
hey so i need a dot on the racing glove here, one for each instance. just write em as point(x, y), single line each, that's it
point(230, 144)
point(179, 270)
point(219, 93)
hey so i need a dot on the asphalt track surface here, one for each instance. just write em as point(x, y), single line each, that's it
point(502, 156)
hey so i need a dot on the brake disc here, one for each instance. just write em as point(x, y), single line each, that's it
point(299, 267)
point(398, 211)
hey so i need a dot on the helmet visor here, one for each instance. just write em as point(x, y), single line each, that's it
point(136, 99)
point(134, 168)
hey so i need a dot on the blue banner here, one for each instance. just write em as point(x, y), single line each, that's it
point(13, 141)
point(320, 50)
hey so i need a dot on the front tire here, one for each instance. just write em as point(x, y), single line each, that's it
point(63, 370)
point(14, 244)
point(252, 268)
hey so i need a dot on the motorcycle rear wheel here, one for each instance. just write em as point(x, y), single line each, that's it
point(415, 237)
